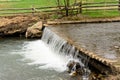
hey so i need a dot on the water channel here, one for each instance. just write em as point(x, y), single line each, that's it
point(22, 59)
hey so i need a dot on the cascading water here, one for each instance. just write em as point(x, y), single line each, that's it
point(62, 47)
point(54, 41)
point(34, 60)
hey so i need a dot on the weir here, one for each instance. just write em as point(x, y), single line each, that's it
point(62, 47)
point(70, 46)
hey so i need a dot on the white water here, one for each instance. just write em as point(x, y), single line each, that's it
point(39, 53)
point(22, 59)
point(52, 52)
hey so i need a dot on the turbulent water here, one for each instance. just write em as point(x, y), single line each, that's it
point(46, 59)
point(62, 47)
point(22, 59)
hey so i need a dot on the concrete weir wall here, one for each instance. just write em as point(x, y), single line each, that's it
point(98, 61)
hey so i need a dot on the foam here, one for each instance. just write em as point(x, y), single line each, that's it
point(39, 53)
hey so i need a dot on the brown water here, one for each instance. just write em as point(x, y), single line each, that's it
point(100, 38)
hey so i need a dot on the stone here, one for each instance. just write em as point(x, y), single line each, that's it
point(35, 31)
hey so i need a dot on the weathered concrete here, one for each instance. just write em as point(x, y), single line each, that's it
point(91, 20)
point(99, 41)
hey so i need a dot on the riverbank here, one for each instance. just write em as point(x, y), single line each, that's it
point(17, 25)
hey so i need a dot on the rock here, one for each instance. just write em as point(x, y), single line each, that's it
point(116, 47)
point(35, 31)
point(74, 73)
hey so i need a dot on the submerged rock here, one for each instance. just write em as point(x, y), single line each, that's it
point(35, 31)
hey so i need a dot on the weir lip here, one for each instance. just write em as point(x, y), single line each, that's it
point(93, 34)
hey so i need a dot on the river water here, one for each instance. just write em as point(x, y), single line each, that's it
point(22, 59)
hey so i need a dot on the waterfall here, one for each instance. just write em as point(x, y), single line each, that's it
point(58, 44)
point(61, 46)
point(53, 40)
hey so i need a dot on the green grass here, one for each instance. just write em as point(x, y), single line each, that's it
point(37, 3)
point(27, 3)
point(98, 1)
point(102, 13)
point(43, 3)
point(24, 4)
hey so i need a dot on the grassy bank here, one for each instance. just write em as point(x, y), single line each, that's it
point(38, 3)
point(43, 3)
point(101, 13)
point(27, 3)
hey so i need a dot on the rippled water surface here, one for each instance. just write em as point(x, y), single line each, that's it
point(22, 59)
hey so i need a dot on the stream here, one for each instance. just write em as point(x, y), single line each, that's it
point(22, 59)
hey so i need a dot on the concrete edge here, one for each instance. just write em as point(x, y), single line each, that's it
point(117, 19)
point(92, 55)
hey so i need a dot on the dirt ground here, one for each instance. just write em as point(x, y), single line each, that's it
point(16, 24)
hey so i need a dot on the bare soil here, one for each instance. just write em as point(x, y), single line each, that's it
point(16, 25)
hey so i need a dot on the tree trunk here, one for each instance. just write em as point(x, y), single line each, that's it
point(80, 7)
point(67, 3)
point(119, 5)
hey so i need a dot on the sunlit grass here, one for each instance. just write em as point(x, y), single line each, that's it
point(28, 3)
point(102, 13)
point(44, 3)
